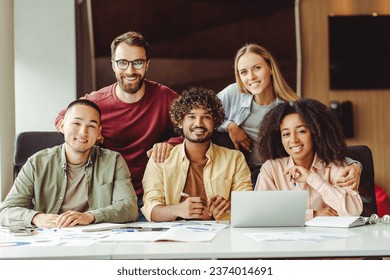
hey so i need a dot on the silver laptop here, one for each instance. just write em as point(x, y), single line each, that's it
point(268, 208)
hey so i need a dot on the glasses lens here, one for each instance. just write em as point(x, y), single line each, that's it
point(122, 64)
point(138, 64)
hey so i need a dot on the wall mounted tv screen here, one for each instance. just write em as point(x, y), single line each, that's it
point(359, 52)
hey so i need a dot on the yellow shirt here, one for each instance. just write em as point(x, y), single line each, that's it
point(226, 170)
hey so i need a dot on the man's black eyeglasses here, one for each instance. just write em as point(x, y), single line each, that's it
point(123, 64)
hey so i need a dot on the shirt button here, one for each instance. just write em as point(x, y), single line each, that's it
point(60, 197)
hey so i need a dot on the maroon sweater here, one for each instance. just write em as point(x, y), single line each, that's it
point(132, 128)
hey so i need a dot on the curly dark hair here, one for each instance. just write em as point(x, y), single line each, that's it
point(325, 128)
point(195, 98)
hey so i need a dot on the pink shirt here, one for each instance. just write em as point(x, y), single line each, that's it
point(320, 185)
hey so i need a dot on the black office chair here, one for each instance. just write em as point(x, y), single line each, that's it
point(29, 142)
point(363, 154)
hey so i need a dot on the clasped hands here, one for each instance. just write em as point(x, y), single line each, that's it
point(349, 177)
point(198, 208)
point(66, 219)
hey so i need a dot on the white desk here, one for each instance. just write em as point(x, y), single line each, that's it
point(233, 243)
point(230, 243)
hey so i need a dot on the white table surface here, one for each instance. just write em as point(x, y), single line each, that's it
point(233, 243)
point(230, 243)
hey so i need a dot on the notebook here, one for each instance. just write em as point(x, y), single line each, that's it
point(268, 208)
point(336, 221)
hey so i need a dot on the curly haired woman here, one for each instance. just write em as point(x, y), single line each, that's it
point(304, 146)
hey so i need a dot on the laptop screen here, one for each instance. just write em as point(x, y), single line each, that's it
point(268, 208)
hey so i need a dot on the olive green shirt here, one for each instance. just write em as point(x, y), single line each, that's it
point(41, 185)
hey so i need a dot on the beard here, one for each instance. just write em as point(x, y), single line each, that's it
point(128, 88)
point(197, 139)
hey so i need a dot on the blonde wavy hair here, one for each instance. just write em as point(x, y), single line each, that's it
point(281, 88)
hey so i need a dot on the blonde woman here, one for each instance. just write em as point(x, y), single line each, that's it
point(259, 87)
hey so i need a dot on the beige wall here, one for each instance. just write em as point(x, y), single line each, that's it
point(37, 70)
point(45, 61)
point(7, 104)
point(372, 125)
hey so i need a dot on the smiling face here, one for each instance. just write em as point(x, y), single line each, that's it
point(296, 139)
point(255, 74)
point(130, 80)
point(197, 126)
point(81, 129)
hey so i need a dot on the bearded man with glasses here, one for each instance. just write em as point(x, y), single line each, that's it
point(135, 111)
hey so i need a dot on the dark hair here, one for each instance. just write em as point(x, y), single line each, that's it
point(131, 38)
point(85, 102)
point(196, 98)
point(325, 128)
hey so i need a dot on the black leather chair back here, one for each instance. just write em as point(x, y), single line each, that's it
point(29, 142)
point(363, 154)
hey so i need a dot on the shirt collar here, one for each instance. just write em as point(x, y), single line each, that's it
point(91, 157)
point(209, 153)
point(247, 100)
point(316, 165)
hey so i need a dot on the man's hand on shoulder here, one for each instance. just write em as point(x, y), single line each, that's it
point(350, 176)
point(160, 151)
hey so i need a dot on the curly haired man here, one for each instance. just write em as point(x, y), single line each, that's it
point(196, 180)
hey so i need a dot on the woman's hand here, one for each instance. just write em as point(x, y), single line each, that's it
point(238, 137)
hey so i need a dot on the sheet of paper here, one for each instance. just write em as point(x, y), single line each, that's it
point(94, 227)
point(149, 236)
point(208, 226)
point(56, 238)
point(179, 234)
point(204, 226)
point(181, 231)
point(186, 235)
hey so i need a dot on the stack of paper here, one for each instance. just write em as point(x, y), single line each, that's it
point(337, 221)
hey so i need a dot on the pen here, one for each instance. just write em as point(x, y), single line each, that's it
point(47, 229)
point(197, 228)
point(124, 230)
point(130, 229)
point(183, 194)
point(292, 179)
